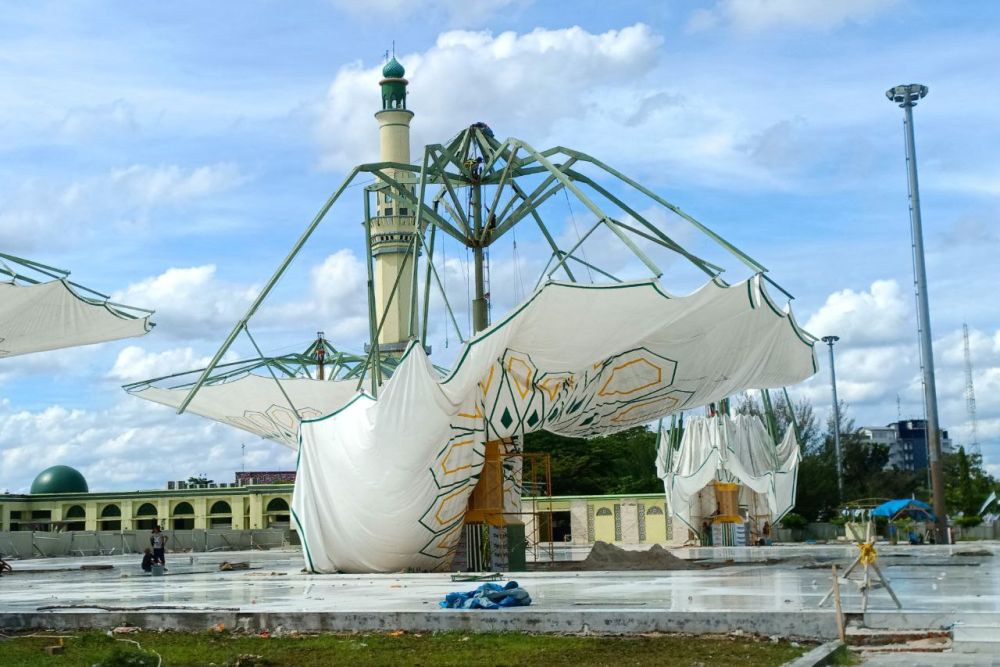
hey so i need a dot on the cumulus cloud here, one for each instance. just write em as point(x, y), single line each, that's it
point(878, 363)
point(190, 302)
point(336, 302)
point(135, 363)
point(760, 15)
point(878, 315)
point(131, 445)
point(475, 76)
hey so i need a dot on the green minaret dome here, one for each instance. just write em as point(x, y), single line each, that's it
point(393, 70)
point(59, 479)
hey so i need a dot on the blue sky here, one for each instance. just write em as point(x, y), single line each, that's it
point(172, 153)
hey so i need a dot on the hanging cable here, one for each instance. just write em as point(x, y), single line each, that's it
point(444, 286)
point(572, 218)
point(518, 279)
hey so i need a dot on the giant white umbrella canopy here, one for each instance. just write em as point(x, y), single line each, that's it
point(386, 470)
point(42, 309)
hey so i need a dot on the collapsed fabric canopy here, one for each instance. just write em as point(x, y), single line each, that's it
point(53, 315)
point(258, 404)
point(729, 449)
point(383, 485)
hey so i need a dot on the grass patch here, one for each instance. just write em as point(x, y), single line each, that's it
point(363, 650)
point(843, 657)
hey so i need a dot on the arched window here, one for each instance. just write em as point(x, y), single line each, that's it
point(276, 513)
point(79, 514)
point(183, 516)
point(277, 505)
point(603, 511)
point(655, 509)
point(148, 513)
point(220, 515)
point(111, 518)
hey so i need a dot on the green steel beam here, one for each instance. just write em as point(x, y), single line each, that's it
point(267, 288)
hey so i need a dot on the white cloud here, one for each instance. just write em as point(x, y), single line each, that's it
point(876, 316)
point(100, 120)
point(454, 12)
point(42, 213)
point(336, 302)
point(167, 184)
point(131, 445)
point(877, 362)
point(190, 302)
point(759, 15)
point(193, 303)
point(135, 363)
point(505, 80)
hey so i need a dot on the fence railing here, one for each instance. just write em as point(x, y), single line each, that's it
point(33, 544)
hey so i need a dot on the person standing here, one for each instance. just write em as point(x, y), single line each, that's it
point(159, 543)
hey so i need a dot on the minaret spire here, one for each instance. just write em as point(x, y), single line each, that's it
point(392, 226)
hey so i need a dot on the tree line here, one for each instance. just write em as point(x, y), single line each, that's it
point(624, 463)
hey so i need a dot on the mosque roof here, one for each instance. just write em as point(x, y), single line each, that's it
point(59, 479)
point(393, 69)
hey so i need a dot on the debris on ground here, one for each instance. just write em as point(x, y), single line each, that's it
point(608, 557)
point(974, 552)
point(226, 566)
point(488, 596)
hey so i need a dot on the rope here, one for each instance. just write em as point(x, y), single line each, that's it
point(868, 553)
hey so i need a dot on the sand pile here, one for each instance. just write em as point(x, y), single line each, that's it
point(608, 557)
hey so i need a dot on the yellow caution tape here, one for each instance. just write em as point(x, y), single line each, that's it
point(868, 553)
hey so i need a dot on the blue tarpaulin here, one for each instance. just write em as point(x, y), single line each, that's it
point(915, 509)
point(488, 596)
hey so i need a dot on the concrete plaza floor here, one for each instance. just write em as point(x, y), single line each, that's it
point(763, 590)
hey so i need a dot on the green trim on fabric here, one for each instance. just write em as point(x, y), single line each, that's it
point(305, 540)
point(334, 413)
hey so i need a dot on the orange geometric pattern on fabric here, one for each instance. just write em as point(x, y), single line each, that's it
point(521, 376)
point(489, 381)
point(455, 509)
point(621, 383)
point(451, 450)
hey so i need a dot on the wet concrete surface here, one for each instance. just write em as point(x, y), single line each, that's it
point(926, 578)
point(933, 582)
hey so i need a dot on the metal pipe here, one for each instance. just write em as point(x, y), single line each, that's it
point(479, 310)
point(830, 340)
point(906, 96)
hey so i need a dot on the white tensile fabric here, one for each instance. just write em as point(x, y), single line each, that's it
point(50, 316)
point(729, 449)
point(257, 405)
point(383, 485)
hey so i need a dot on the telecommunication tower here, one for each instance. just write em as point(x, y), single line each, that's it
point(970, 393)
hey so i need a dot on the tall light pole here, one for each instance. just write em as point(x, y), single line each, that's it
point(906, 96)
point(830, 340)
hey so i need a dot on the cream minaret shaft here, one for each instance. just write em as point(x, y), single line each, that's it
point(392, 227)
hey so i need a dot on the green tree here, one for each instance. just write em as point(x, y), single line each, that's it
point(967, 484)
point(624, 462)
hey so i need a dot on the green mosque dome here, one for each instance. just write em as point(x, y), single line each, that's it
point(393, 70)
point(59, 479)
